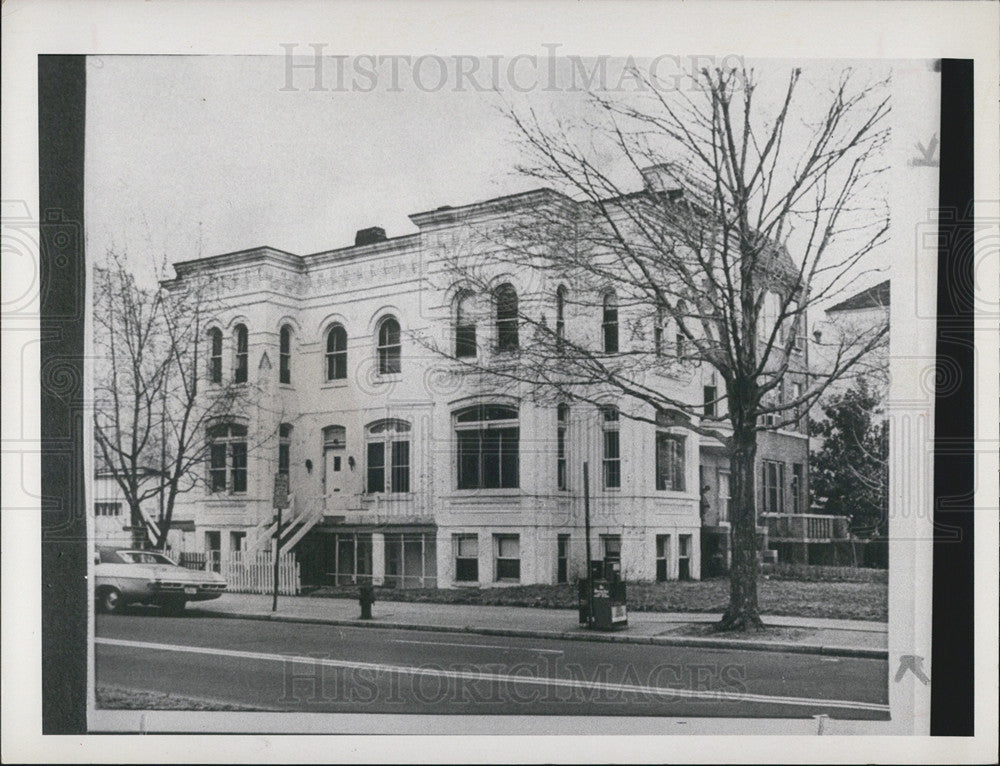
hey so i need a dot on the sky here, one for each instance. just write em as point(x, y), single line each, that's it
point(190, 156)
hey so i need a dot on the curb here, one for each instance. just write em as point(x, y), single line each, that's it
point(608, 638)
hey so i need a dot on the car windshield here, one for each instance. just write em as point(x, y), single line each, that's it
point(144, 557)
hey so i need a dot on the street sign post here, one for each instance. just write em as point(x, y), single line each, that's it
point(279, 501)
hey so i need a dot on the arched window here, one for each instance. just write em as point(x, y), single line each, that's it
point(609, 324)
point(506, 301)
point(227, 458)
point(284, 448)
point(388, 456)
point(215, 355)
point(562, 423)
point(465, 326)
point(285, 355)
point(560, 316)
point(487, 437)
point(242, 359)
point(336, 353)
point(389, 347)
point(612, 448)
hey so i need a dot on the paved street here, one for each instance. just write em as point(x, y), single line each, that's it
point(324, 668)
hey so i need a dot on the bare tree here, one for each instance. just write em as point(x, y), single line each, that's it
point(699, 268)
point(151, 410)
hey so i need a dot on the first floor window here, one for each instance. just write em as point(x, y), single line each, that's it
point(662, 557)
point(773, 483)
point(508, 557)
point(227, 469)
point(798, 484)
point(684, 557)
point(487, 438)
point(107, 509)
point(725, 495)
point(669, 462)
point(388, 456)
point(466, 550)
point(611, 546)
point(612, 448)
point(562, 558)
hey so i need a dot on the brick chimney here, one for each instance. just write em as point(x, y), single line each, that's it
point(369, 235)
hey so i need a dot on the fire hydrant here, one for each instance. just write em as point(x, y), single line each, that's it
point(366, 597)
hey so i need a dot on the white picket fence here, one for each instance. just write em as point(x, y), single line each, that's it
point(253, 572)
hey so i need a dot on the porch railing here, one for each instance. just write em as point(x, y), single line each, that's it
point(806, 526)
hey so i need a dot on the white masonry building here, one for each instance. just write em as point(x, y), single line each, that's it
point(405, 474)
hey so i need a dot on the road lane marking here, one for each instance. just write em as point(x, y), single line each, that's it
point(475, 646)
point(717, 696)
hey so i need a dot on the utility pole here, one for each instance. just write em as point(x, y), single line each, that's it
point(277, 551)
point(280, 501)
point(586, 527)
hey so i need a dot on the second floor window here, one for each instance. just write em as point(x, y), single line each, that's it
point(609, 324)
point(562, 423)
point(506, 305)
point(227, 459)
point(711, 394)
point(215, 358)
point(242, 358)
point(388, 453)
point(336, 353)
point(560, 316)
point(465, 327)
point(487, 438)
point(389, 347)
point(285, 355)
point(612, 448)
point(669, 462)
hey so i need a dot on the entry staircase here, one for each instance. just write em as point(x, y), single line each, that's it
point(296, 521)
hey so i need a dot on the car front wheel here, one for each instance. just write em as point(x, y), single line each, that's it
point(109, 600)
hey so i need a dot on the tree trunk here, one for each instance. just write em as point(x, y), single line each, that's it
point(138, 525)
point(742, 613)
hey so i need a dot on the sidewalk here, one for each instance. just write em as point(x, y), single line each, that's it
point(845, 638)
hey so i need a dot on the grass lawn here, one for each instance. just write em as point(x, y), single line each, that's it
point(840, 600)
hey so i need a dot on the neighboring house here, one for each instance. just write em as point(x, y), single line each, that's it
point(405, 473)
point(862, 312)
point(820, 537)
point(112, 517)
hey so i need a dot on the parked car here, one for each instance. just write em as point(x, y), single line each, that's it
point(147, 577)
